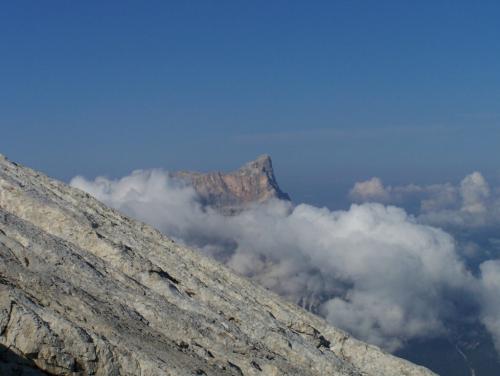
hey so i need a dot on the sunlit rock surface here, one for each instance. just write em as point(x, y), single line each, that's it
point(253, 183)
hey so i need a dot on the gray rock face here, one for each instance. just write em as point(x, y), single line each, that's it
point(87, 291)
point(254, 182)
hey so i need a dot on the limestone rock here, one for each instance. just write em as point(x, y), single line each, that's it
point(253, 183)
point(85, 290)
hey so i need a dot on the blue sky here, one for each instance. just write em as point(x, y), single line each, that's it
point(335, 91)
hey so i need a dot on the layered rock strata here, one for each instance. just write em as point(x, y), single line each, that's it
point(255, 182)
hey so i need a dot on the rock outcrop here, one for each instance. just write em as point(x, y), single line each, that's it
point(253, 183)
point(85, 290)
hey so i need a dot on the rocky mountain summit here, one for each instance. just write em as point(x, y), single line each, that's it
point(253, 183)
point(85, 290)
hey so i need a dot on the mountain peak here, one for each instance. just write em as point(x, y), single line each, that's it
point(262, 162)
point(254, 182)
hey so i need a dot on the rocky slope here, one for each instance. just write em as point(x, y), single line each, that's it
point(254, 182)
point(87, 291)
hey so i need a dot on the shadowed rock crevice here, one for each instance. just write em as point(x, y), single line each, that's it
point(13, 364)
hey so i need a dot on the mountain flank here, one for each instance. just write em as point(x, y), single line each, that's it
point(85, 290)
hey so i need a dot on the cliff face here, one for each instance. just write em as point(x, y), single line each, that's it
point(254, 182)
point(87, 291)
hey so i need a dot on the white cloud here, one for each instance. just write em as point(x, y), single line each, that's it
point(475, 192)
point(370, 190)
point(372, 269)
point(469, 204)
point(490, 295)
point(470, 211)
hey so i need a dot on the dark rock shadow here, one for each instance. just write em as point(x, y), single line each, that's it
point(12, 364)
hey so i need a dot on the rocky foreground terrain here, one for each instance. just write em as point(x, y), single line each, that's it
point(85, 290)
point(229, 192)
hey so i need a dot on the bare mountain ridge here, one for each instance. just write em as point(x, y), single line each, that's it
point(255, 182)
point(85, 290)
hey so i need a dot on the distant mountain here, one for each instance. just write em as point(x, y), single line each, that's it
point(229, 192)
point(85, 290)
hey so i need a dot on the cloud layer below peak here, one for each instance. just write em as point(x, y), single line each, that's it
point(374, 270)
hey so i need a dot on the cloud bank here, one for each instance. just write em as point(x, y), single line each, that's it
point(471, 203)
point(373, 270)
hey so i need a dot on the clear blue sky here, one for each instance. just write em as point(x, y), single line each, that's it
point(335, 91)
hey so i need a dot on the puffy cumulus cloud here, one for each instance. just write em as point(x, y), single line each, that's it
point(370, 190)
point(473, 207)
point(474, 191)
point(470, 211)
point(425, 198)
point(469, 204)
point(489, 293)
point(372, 270)
point(399, 278)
